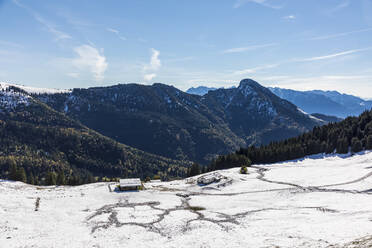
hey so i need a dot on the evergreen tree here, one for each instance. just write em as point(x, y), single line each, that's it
point(31, 179)
point(356, 145)
point(369, 142)
point(194, 170)
point(21, 175)
point(13, 174)
point(343, 146)
point(51, 178)
point(36, 181)
point(61, 180)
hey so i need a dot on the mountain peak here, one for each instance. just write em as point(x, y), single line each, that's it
point(248, 82)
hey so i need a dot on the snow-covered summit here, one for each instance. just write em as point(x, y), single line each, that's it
point(33, 90)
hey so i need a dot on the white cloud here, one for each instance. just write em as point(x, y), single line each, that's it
point(154, 65)
point(248, 48)
point(112, 30)
point(289, 17)
point(155, 62)
point(117, 33)
point(265, 3)
point(90, 58)
point(149, 77)
point(73, 74)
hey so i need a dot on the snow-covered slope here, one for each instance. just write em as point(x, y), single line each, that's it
point(315, 202)
point(10, 98)
point(33, 90)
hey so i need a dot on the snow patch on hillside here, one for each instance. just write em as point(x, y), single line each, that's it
point(10, 99)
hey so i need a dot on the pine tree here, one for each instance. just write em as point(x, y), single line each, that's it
point(194, 170)
point(369, 142)
point(51, 178)
point(61, 180)
point(13, 172)
point(31, 179)
point(342, 146)
point(21, 175)
point(356, 145)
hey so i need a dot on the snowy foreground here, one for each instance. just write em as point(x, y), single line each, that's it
point(315, 202)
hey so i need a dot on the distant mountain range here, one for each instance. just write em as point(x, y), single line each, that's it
point(201, 90)
point(163, 120)
point(325, 102)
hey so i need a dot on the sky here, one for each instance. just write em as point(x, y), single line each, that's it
point(297, 44)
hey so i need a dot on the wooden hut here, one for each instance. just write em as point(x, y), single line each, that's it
point(130, 184)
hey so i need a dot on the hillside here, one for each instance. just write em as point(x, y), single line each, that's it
point(40, 141)
point(325, 102)
point(316, 202)
point(163, 120)
point(353, 134)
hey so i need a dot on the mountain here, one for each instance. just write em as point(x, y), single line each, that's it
point(352, 135)
point(325, 102)
point(163, 120)
point(40, 140)
point(200, 90)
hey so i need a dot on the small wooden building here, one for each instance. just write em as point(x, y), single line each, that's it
point(130, 184)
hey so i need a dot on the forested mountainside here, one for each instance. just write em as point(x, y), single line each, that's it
point(330, 103)
point(353, 134)
point(163, 120)
point(39, 145)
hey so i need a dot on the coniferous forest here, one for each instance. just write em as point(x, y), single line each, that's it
point(44, 147)
point(353, 134)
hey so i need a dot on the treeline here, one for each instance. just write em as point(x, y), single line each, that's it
point(353, 134)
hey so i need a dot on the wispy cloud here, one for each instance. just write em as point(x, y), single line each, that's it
point(331, 56)
point(248, 48)
point(91, 59)
point(10, 44)
point(180, 59)
point(117, 33)
point(255, 69)
point(73, 74)
point(154, 65)
point(338, 7)
point(59, 35)
point(289, 17)
point(331, 36)
point(265, 3)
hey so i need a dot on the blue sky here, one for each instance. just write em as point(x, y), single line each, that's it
point(299, 44)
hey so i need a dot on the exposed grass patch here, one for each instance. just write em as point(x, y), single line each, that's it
point(195, 208)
